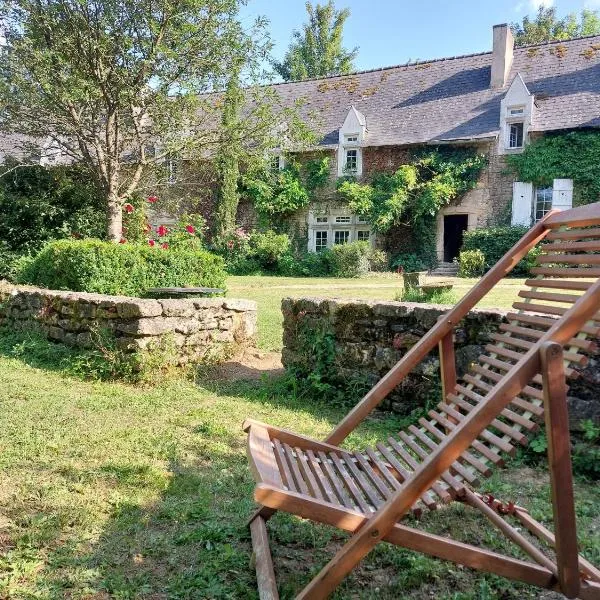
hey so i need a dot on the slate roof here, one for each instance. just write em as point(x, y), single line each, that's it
point(450, 99)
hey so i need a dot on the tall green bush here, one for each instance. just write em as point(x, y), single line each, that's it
point(350, 260)
point(120, 269)
point(471, 263)
point(39, 204)
point(495, 242)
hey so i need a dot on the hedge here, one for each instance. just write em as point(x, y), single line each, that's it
point(495, 242)
point(120, 269)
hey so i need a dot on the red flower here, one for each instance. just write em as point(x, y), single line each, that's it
point(128, 208)
point(162, 230)
point(190, 229)
point(151, 242)
point(122, 241)
point(165, 246)
point(152, 199)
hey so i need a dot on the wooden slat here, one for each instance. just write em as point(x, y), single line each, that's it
point(483, 468)
point(321, 478)
point(559, 284)
point(504, 366)
point(382, 469)
point(446, 495)
point(426, 498)
point(311, 482)
point(507, 412)
point(519, 402)
point(574, 234)
point(561, 475)
point(540, 308)
point(375, 479)
point(261, 457)
point(447, 363)
point(297, 475)
point(578, 359)
point(505, 428)
point(572, 246)
point(457, 467)
point(581, 216)
point(337, 485)
point(486, 434)
point(585, 345)
point(591, 272)
point(350, 484)
point(284, 468)
point(548, 322)
point(450, 479)
point(362, 483)
point(569, 259)
point(549, 296)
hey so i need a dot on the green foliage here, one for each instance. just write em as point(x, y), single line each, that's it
point(279, 193)
point(378, 260)
point(415, 193)
point(495, 242)
point(39, 204)
point(267, 248)
point(350, 260)
point(417, 294)
point(574, 155)
point(408, 262)
point(317, 50)
point(471, 263)
point(304, 264)
point(546, 26)
point(110, 78)
point(126, 269)
point(135, 222)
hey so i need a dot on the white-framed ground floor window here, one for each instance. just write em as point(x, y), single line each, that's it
point(325, 231)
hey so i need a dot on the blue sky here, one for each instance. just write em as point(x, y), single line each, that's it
point(390, 32)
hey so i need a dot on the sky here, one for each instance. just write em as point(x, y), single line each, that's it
point(391, 32)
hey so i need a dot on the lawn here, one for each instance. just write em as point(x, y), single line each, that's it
point(114, 491)
point(268, 292)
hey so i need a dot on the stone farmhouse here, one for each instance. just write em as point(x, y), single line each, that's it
point(495, 102)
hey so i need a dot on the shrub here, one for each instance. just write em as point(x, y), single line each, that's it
point(471, 263)
point(378, 260)
point(349, 260)
point(304, 264)
point(126, 269)
point(495, 242)
point(408, 262)
point(39, 204)
point(267, 248)
point(434, 297)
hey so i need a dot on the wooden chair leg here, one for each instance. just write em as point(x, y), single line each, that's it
point(447, 364)
point(559, 459)
point(265, 574)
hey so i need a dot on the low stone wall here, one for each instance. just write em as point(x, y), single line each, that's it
point(369, 337)
point(194, 326)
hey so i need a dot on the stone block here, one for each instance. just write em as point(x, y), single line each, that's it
point(179, 308)
point(56, 333)
point(239, 305)
point(139, 308)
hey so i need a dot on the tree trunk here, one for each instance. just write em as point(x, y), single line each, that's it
point(114, 218)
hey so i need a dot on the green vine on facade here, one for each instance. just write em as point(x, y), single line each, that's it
point(574, 155)
point(279, 193)
point(415, 192)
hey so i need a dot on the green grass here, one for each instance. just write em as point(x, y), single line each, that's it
point(268, 292)
point(114, 491)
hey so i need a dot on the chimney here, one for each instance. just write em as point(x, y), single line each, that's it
point(502, 55)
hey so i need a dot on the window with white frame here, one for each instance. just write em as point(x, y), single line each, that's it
point(351, 139)
point(277, 162)
point(321, 219)
point(515, 135)
point(543, 202)
point(351, 162)
point(363, 235)
point(341, 236)
point(343, 219)
point(321, 237)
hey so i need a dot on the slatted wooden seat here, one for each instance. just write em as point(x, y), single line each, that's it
point(518, 380)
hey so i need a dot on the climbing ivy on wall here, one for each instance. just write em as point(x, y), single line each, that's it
point(415, 192)
point(279, 193)
point(574, 155)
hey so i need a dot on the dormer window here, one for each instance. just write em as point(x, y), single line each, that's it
point(516, 111)
point(515, 135)
point(352, 139)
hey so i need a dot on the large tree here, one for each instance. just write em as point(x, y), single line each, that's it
point(121, 84)
point(317, 50)
point(546, 26)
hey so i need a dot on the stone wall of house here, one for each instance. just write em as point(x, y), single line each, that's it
point(195, 326)
point(369, 337)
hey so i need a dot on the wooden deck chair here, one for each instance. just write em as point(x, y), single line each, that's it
point(520, 378)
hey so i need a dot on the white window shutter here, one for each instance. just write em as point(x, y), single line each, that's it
point(521, 203)
point(311, 239)
point(562, 194)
